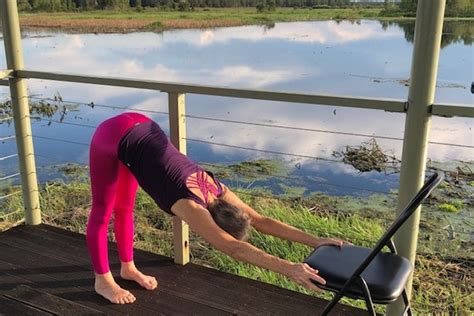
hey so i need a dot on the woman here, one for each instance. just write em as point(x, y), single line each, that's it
point(130, 149)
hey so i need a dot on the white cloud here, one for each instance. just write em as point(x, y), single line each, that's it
point(323, 32)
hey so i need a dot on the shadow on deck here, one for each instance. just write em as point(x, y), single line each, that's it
point(45, 270)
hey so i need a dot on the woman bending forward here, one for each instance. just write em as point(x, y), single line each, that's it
point(130, 150)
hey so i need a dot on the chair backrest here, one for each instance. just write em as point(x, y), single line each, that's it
point(422, 194)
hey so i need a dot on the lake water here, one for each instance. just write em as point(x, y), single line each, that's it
point(364, 59)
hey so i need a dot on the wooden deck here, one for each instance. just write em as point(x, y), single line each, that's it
point(45, 270)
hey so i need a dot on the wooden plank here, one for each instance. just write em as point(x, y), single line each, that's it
point(177, 120)
point(47, 247)
point(215, 287)
point(151, 302)
point(47, 239)
point(12, 307)
point(47, 302)
point(279, 295)
point(174, 279)
point(47, 276)
point(16, 274)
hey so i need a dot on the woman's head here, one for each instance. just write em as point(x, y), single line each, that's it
point(230, 218)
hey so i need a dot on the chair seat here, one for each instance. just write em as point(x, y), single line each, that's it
point(385, 276)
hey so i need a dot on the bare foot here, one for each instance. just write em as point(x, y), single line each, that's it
point(128, 271)
point(105, 285)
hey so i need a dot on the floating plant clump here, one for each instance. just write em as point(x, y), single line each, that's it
point(367, 157)
point(40, 109)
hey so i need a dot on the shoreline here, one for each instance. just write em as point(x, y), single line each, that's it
point(155, 20)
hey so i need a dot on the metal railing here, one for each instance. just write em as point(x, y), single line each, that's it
point(419, 109)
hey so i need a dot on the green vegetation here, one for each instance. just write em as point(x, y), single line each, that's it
point(453, 206)
point(72, 5)
point(408, 8)
point(444, 286)
point(367, 157)
point(249, 170)
point(154, 19)
point(39, 110)
point(450, 208)
point(109, 16)
point(460, 31)
point(389, 8)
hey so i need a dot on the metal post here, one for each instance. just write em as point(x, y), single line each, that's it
point(21, 111)
point(428, 29)
point(177, 107)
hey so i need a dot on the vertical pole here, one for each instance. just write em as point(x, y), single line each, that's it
point(428, 29)
point(176, 110)
point(21, 111)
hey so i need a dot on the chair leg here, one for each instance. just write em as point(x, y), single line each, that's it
point(368, 297)
point(407, 303)
point(337, 297)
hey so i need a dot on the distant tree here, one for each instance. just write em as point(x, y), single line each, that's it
point(460, 8)
point(453, 7)
point(68, 5)
point(458, 32)
point(46, 5)
point(23, 5)
point(390, 8)
point(86, 4)
point(408, 6)
point(135, 3)
point(183, 5)
point(113, 4)
point(271, 5)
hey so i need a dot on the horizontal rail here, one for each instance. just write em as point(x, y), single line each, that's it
point(452, 110)
point(92, 105)
point(4, 83)
point(365, 103)
point(5, 138)
point(9, 176)
point(60, 140)
point(8, 195)
point(264, 150)
point(8, 157)
point(5, 73)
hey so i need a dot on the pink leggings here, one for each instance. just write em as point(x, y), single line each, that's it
point(113, 189)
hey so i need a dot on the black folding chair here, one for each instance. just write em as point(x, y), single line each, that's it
point(370, 274)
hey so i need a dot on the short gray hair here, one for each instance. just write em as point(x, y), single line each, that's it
point(230, 218)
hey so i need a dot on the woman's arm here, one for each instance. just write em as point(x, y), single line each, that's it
point(276, 228)
point(201, 222)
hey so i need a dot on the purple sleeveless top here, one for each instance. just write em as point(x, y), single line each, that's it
point(160, 169)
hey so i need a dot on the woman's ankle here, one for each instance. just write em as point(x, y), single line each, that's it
point(128, 266)
point(106, 277)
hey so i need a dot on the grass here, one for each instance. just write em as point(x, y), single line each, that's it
point(439, 286)
point(453, 207)
point(154, 19)
point(151, 19)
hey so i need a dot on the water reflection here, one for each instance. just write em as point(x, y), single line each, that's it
point(317, 57)
point(453, 31)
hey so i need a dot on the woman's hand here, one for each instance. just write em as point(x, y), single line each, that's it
point(329, 242)
point(302, 274)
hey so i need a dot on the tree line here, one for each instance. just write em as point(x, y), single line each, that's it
point(391, 7)
point(461, 8)
point(78, 5)
point(454, 32)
